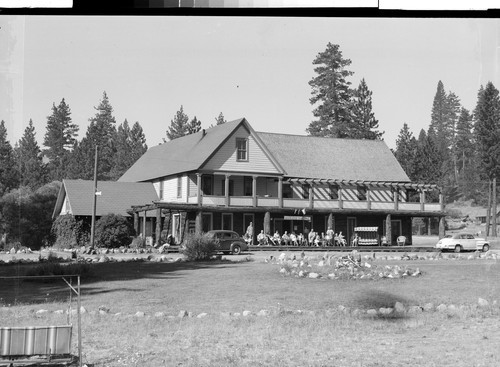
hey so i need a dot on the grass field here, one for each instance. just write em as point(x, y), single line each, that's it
point(321, 335)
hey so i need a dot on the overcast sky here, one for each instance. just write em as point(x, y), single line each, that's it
point(258, 68)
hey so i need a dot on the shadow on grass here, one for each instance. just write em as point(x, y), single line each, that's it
point(23, 291)
point(376, 299)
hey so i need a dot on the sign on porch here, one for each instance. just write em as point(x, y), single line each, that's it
point(297, 217)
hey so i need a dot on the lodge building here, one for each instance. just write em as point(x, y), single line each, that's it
point(230, 175)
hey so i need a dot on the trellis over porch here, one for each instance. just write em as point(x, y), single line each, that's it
point(164, 208)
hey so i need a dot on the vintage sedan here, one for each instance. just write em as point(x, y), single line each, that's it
point(228, 241)
point(462, 241)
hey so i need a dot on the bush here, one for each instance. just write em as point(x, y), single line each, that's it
point(70, 233)
point(198, 247)
point(112, 231)
point(138, 242)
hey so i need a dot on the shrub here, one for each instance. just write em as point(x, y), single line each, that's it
point(112, 231)
point(198, 247)
point(138, 242)
point(70, 233)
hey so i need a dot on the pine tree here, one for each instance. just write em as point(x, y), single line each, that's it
point(9, 177)
point(427, 160)
point(130, 146)
point(464, 142)
point(364, 123)
point(331, 94)
point(101, 132)
point(219, 120)
point(406, 150)
point(29, 158)
point(178, 126)
point(194, 126)
point(60, 136)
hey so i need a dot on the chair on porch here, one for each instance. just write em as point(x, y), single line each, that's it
point(401, 240)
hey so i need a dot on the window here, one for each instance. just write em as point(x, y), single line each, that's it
point(179, 187)
point(241, 149)
point(361, 193)
point(207, 184)
point(247, 185)
point(334, 192)
point(287, 191)
point(231, 187)
point(227, 222)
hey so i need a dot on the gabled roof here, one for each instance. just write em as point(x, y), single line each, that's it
point(184, 154)
point(346, 159)
point(116, 197)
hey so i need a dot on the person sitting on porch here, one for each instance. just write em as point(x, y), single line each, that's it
point(276, 238)
point(312, 237)
point(249, 233)
point(285, 238)
point(355, 240)
point(340, 240)
point(329, 236)
point(261, 238)
point(321, 240)
point(301, 239)
point(293, 239)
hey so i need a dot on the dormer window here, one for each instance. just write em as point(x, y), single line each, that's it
point(241, 149)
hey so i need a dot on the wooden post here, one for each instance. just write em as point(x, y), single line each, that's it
point(158, 227)
point(442, 231)
point(187, 188)
point(226, 190)
point(396, 199)
point(311, 193)
point(429, 226)
point(198, 224)
point(254, 191)
point(144, 224)
point(267, 223)
point(280, 191)
point(368, 199)
point(441, 200)
point(198, 188)
point(422, 200)
point(137, 228)
point(388, 230)
point(341, 201)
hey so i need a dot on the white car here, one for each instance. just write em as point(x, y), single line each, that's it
point(462, 241)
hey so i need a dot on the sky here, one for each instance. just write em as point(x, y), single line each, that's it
point(253, 67)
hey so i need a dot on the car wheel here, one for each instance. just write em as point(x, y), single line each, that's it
point(458, 248)
point(236, 249)
point(486, 248)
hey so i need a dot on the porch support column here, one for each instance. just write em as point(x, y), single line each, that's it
point(441, 200)
point(137, 229)
point(158, 227)
point(368, 199)
point(441, 228)
point(422, 200)
point(198, 224)
point(311, 193)
point(254, 191)
point(144, 224)
point(341, 201)
point(198, 189)
point(330, 221)
point(388, 229)
point(280, 192)
point(226, 189)
point(187, 188)
point(396, 199)
point(429, 226)
point(267, 223)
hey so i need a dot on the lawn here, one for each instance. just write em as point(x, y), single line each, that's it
point(320, 335)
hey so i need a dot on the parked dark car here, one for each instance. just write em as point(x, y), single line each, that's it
point(228, 241)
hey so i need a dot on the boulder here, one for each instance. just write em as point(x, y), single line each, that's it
point(247, 313)
point(482, 302)
point(183, 314)
point(442, 307)
point(41, 312)
point(263, 313)
point(104, 308)
point(139, 314)
point(159, 314)
point(371, 312)
point(429, 307)
point(314, 275)
point(399, 307)
point(385, 310)
point(202, 315)
point(415, 309)
point(59, 312)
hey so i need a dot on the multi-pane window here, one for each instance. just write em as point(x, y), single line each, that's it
point(179, 187)
point(334, 192)
point(247, 185)
point(241, 149)
point(207, 184)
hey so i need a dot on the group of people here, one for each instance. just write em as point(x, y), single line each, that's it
point(312, 238)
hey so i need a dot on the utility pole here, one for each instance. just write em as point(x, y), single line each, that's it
point(94, 202)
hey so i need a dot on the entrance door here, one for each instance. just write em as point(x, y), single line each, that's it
point(278, 226)
point(351, 223)
point(207, 222)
